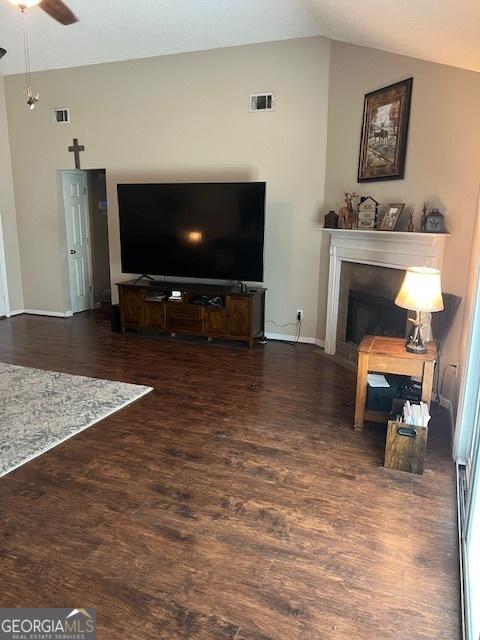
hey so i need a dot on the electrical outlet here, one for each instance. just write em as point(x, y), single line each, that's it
point(299, 314)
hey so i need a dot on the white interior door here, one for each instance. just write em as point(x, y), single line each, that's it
point(78, 239)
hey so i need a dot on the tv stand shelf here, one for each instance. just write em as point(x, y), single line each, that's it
point(240, 316)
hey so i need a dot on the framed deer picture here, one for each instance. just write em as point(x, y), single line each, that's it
point(384, 132)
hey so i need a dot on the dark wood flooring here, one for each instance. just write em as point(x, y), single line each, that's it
point(234, 502)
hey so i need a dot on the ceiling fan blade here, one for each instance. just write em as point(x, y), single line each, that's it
point(59, 11)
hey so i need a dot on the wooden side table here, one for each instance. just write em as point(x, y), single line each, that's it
point(388, 355)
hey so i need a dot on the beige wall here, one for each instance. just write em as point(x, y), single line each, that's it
point(185, 117)
point(443, 155)
point(182, 117)
point(7, 213)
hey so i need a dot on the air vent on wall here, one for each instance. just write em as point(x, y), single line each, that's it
point(261, 102)
point(60, 115)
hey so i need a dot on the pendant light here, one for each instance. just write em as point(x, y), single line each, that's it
point(23, 5)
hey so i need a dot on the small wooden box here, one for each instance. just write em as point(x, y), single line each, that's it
point(406, 447)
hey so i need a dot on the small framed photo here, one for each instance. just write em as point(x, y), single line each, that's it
point(391, 217)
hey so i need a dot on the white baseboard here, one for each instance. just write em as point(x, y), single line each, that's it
point(289, 338)
point(42, 312)
point(16, 312)
point(271, 336)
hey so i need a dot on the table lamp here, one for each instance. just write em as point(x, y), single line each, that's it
point(421, 291)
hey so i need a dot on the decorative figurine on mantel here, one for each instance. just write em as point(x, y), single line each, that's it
point(435, 222)
point(347, 213)
point(424, 216)
point(411, 225)
point(331, 220)
point(367, 213)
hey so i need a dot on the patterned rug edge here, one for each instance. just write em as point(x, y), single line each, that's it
point(143, 392)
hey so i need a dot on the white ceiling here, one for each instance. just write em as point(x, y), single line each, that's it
point(445, 31)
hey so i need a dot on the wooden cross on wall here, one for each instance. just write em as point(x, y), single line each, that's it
point(75, 149)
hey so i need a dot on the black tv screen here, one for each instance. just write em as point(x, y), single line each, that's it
point(194, 230)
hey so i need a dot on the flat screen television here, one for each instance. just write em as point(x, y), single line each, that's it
point(193, 230)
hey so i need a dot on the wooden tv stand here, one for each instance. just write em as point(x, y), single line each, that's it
point(240, 317)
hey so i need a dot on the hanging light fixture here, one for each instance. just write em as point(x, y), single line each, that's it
point(32, 98)
point(23, 5)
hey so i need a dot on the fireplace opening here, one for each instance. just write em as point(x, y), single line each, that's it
point(373, 315)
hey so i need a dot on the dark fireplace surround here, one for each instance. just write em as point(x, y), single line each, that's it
point(373, 315)
point(366, 306)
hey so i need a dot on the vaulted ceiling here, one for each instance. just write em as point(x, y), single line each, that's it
point(446, 31)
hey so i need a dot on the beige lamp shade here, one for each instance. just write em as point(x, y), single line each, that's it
point(421, 290)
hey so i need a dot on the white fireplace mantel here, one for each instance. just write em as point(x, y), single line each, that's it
point(394, 249)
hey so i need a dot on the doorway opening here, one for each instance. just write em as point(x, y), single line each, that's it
point(84, 204)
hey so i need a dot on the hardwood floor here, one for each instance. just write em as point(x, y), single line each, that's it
point(234, 502)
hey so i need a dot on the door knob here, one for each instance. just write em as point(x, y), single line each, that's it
point(72, 252)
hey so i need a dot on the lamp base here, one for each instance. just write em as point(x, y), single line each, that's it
point(415, 343)
point(415, 348)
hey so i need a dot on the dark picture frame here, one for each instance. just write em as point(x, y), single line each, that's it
point(383, 143)
point(392, 216)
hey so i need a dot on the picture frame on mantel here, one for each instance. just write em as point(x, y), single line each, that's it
point(391, 217)
point(383, 143)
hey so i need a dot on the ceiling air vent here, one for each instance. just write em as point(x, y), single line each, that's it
point(261, 102)
point(60, 115)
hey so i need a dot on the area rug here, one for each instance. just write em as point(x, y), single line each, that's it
point(40, 409)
